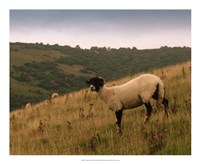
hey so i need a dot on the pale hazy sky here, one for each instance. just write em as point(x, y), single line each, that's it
point(109, 28)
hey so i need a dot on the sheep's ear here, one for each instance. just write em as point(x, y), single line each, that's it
point(102, 80)
point(87, 82)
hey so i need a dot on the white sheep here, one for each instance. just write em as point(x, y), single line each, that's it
point(28, 106)
point(53, 96)
point(134, 93)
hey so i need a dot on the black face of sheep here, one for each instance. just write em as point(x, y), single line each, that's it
point(96, 83)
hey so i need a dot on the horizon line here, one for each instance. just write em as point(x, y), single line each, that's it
point(107, 47)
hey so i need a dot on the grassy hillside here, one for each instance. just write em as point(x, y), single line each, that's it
point(37, 70)
point(79, 123)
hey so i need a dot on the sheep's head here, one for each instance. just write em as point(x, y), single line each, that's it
point(96, 83)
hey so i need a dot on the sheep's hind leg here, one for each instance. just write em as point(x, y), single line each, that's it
point(118, 115)
point(165, 102)
point(148, 114)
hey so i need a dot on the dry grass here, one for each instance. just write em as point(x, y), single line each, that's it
point(79, 123)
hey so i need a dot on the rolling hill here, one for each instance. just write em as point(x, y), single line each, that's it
point(79, 123)
point(37, 70)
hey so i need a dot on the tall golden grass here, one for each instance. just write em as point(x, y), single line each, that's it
point(80, 124)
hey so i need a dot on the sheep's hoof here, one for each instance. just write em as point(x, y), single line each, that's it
point(119, 132)
point(146, 120)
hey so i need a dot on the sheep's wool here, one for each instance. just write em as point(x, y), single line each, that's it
point(133, 93)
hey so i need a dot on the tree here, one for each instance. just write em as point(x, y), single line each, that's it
point(78, 47)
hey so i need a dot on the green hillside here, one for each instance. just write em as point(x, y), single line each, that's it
point(36, 70)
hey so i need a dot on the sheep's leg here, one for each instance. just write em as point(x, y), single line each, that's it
point(165, 102)
point(118, 115)
point(148, 114)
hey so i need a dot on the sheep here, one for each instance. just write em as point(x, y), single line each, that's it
point(28, 106)
point(134, 93)
point(53, 96)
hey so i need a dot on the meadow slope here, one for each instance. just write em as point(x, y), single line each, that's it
point(79, 123)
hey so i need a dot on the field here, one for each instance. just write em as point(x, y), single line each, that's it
point(79, 123)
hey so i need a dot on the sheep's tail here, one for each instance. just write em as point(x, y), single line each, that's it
point(162, 99)
point(161, 94)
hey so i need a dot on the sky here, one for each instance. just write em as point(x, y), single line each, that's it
point(142, 29)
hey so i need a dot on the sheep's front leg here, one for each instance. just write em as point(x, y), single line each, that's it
point(118, 115)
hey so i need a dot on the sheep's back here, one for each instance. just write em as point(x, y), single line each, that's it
point(138, 90)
